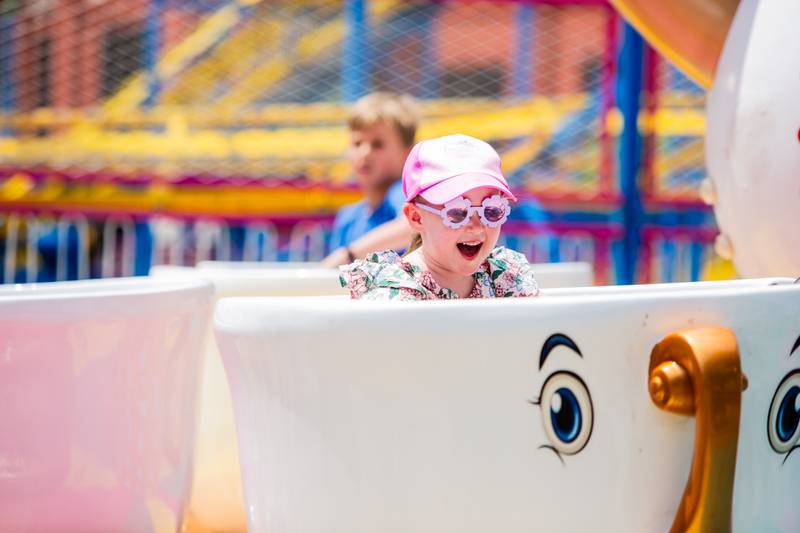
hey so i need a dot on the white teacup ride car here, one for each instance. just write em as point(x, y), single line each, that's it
point(217, 502)
point(98, 393)
point(584, 410)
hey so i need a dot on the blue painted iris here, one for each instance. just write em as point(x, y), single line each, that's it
point(788, 415)
point(565, 414)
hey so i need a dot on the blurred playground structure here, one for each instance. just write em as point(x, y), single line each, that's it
point(144, 132)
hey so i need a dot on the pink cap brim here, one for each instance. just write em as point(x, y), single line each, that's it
point(456, 186)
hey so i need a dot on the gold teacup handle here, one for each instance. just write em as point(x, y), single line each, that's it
point(696, 372)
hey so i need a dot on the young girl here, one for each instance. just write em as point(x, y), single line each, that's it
point(456, 201)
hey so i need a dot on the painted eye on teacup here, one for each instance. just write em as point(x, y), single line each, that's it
point(783, 422)
point(567, 413)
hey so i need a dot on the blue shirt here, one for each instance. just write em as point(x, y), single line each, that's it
point(354, 220)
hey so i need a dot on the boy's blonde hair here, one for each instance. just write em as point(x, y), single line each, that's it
point(398, 110)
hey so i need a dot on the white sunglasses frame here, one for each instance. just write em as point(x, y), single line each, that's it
point(463, 202)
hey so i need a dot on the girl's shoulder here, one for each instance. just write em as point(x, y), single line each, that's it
point(511, 273)
point(381, 275)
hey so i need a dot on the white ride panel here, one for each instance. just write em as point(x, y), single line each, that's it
point(217, 502)
point(548, 275)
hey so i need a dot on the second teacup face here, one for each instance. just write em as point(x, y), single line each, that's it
point(618, 450)
point(768, 465)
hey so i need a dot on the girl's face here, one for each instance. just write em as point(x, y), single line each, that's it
point(459, 251)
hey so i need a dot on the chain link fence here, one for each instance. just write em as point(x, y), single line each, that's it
point(678, 236)
point(183, 130)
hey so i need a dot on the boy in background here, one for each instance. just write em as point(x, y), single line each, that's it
point(382, 128)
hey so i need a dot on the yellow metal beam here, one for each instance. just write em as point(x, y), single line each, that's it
point(134, 92)
point(307, 48)
point(232, 201)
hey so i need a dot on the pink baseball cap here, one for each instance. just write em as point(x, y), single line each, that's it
point(446, 168)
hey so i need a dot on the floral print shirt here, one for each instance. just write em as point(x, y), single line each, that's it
point(385, 276)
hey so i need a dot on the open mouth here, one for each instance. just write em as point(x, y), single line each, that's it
point(469, 249)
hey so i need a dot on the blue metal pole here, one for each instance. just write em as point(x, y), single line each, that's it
point(152, 46)
point(522, 80)
point(8, 95)
point(355, 71)
point(696, 268)
point(143, 257)
point(555, 249)
point(669, 261)
point(429, 71)
point(629, 88)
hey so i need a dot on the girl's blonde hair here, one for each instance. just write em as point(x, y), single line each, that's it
point(416, 242)
point(416, 237)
